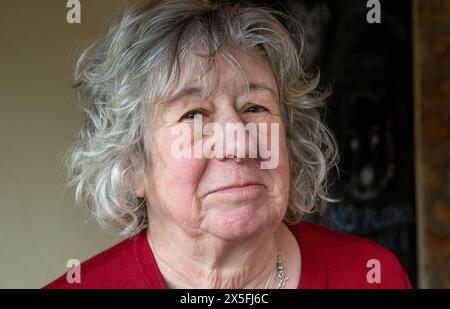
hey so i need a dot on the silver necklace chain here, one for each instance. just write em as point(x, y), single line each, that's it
point(281, 274)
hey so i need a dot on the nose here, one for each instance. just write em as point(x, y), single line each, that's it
point(238, 140)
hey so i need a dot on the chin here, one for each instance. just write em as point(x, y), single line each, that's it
point(239, 223)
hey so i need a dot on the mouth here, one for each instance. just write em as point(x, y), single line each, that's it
point(239, 189)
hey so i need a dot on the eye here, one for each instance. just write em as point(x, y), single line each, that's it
point(190, 115)
point(255, 109)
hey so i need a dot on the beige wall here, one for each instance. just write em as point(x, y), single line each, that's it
point(40, 229)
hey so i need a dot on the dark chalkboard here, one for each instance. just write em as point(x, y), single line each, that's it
point(369, 67)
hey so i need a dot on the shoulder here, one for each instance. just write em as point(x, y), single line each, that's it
point(350, 261)
point(116, 267)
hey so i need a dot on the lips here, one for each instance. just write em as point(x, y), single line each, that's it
point(240, 187)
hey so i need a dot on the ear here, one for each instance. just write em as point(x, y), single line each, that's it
point(139, 184)
point(136, 177)
point(140, 190)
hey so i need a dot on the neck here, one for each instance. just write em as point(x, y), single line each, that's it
point(200, 260)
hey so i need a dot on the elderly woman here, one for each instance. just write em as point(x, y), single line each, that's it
point(206, 208)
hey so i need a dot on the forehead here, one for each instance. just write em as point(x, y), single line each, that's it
point(236, 70)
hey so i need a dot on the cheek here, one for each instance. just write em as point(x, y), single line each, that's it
point(281, 173)
point(173, 180)
point(283, 150)
point(277, 146)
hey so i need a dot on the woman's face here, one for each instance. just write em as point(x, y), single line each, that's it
point(228, 197)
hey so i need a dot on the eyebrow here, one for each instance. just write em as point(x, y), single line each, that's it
point(253, 86)
point(261, 86)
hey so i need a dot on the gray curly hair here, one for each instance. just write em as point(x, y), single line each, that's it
point(123, 76)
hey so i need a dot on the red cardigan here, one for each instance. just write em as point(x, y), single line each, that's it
point(330, 260)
